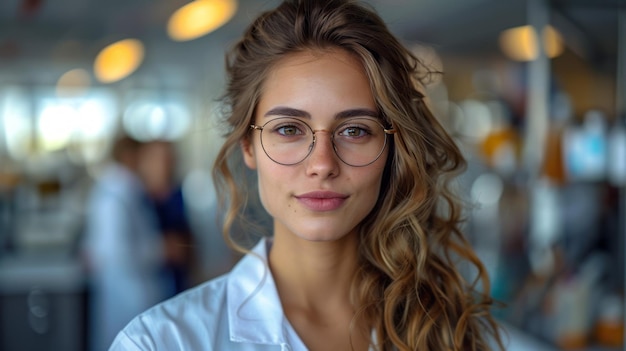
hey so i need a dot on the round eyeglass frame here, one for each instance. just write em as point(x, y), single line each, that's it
point(387, 132)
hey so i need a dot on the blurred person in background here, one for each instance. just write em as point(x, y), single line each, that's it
point(122, 246)
point(157, 167)
point(326, 106)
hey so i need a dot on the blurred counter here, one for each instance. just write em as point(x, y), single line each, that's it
point(42, 303)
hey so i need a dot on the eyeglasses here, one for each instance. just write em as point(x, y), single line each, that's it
point(357, 142)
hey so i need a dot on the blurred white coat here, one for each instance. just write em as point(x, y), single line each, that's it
point(124, 252)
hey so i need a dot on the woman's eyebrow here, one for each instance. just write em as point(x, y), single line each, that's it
point(357, 112)
point(287, 112)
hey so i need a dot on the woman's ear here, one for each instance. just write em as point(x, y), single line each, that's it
point(248, 153)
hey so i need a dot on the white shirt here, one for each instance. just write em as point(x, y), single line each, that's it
point(237, 311)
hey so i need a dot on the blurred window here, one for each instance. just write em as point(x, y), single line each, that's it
point(16, 127)
point(82, 124)
point(150, 117)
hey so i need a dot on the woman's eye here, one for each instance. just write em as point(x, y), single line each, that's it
point(353, 132)
point(289, 130)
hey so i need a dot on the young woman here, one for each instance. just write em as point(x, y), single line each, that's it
point(325, 106)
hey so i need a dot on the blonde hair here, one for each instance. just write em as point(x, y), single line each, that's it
point(409, 288)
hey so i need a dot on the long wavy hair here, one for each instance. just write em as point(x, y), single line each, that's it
point(409, 287)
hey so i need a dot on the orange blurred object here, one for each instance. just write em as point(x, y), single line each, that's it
point(609, 334)
point(495, 141)
point(553, 163)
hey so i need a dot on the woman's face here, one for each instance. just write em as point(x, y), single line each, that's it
point(320, 198)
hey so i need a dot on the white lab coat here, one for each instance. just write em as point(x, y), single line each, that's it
point(237, 311)
point(124, 252)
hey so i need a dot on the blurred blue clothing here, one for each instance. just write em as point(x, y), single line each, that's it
point(237, 311)
point(171, 212)
point(171, 216)
point(124, 252)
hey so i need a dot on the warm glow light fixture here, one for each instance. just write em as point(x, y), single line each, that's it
point(521, 43)
point(199, 18)
point(118, 60)
point(552, 42)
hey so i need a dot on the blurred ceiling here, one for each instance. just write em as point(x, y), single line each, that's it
point(41, 39)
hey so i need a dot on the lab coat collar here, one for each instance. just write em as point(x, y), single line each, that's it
point(255, 313)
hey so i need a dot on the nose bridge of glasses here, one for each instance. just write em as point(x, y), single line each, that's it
point(315, 132)
point(322, 131)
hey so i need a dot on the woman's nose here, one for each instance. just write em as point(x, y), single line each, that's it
point(323, 160)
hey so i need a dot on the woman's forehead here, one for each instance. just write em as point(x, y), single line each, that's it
point(301, 59)
point(321, 83)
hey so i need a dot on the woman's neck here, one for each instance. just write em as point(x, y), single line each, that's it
point(312, 274)
point(313, 281)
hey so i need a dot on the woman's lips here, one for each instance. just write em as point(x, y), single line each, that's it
point(322, 200)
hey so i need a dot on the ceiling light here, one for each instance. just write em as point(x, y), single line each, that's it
point(118, 60)
point(552, 42)
point(199, 18)
point(521, 43)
